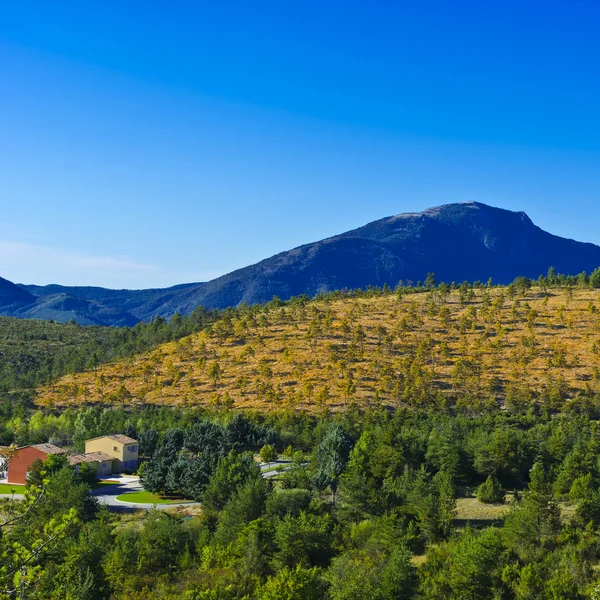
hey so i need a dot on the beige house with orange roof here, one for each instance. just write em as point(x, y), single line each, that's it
point(104, 462)
point(121, 448)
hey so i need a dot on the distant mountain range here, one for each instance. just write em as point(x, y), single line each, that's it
point(468, 241)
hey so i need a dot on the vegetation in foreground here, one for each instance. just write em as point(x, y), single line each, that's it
point(376, 505)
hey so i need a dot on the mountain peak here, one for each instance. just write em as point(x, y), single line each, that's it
point(460, 241)
point(11, 295)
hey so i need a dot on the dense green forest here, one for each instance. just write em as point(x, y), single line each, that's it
point(376, 505)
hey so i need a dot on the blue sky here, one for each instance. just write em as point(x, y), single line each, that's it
point(151, 143)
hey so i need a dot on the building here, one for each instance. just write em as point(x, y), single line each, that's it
point(123, 450)
point(5, 452)
point(23, 458)
point(103, 462)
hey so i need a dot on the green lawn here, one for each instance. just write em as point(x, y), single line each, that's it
point(100, 484)
point(8, 488)
point(148, 498)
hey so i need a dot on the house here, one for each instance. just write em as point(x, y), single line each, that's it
point(123, 450)
point(103, 462)
point(23, 458)
point(5, 452)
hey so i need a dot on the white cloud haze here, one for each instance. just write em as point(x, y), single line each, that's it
point(30, 263)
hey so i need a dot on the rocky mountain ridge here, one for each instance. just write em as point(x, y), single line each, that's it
point(467, 241)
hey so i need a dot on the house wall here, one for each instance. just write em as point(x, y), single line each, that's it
point(20, 463)
point(110, 447)
point(130, 457)
point(125, 459)
point(105, 467)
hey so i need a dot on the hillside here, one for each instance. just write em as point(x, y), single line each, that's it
point(478, 347)
point(458, 242)
point(35, 351)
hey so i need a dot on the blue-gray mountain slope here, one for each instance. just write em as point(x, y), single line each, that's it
point(469, 241)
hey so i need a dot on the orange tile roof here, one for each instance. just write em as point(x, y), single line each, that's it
point(124, 439)
point(117, 437)
point(90, 457)
point(48, 448)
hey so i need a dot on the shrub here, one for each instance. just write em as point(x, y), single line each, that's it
point(289, 502)
point(582, 488)
point(490, 491)
point(268, 453)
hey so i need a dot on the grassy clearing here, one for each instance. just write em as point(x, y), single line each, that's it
point(148, 498)
point(567, 511)
point(470, 509)
point(9, 488)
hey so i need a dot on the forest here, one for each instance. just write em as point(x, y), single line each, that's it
point(441, 441)
point(34, 352)
point(414, 504)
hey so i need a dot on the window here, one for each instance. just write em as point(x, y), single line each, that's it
point(115, 449)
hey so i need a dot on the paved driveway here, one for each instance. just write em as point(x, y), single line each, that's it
point(12, 496)
point(107, 494)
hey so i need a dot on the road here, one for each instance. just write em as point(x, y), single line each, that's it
point(107, 494)
point(12, 496)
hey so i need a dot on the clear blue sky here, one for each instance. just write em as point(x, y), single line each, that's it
point(151, 143)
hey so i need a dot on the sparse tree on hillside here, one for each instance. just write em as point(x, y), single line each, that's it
point(430, 281)
point(595, 278)
point(214, 372)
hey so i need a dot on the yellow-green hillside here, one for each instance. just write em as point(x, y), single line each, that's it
point(488, 346)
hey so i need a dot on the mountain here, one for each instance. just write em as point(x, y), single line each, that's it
point(134, 304)
point(468, 241)
point(13, 297)
point(64, 307)
point(17, 301)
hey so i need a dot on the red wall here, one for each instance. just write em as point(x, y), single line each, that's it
point(20, 463)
